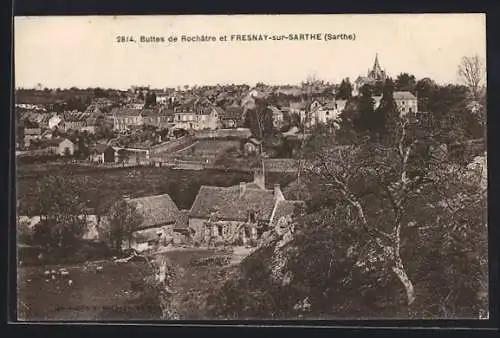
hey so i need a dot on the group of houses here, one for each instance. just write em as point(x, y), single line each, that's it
point(234, 215)
point(229, 215)
point(191, 115)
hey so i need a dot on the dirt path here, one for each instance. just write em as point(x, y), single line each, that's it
point(193, 283)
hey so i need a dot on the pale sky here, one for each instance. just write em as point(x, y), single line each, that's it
point(82, 51)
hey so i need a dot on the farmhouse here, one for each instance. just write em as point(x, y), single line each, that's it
point(60, 146)
point(237, 213)
point(160, 216)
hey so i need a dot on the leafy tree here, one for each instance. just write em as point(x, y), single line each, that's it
point(123, 220)
point(424, 89)
point(62, 212)
point(386, 115)
point(405, 82)
point(259, 119)
point(364, 121)
point(345, 90)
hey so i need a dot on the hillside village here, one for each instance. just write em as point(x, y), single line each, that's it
point(142, 117)
point(108, 144)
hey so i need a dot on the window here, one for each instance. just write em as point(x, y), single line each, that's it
point(220, 230)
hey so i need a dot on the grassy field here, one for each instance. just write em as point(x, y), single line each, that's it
point(108, 295)
point(215, 147)
point(93, 295)
point(103, 186)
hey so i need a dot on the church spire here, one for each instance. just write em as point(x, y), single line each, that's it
point(376, 65)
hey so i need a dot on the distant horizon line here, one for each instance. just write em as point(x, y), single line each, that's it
point(224, 84)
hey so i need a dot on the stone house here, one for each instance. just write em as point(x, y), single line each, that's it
point(160, 218)
point(126, 118)
point(197, 119)
point(230, 117)
point(406, 102)
point(237, 213)
point(60, 146)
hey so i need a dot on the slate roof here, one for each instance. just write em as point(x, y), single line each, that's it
point(230, 205)
point(404, 95)
point(364, 79)
point(284, 208)
point(232, 113)
point(57, 141)
point(156, 210)
point(183, 220)
point(126, 112)
point(75, 116)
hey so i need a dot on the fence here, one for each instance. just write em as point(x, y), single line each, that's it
point(240, 133)
point(172, 146)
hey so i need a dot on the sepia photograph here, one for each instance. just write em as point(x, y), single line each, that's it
point(250, 167)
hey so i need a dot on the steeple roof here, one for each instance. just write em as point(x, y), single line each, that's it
point(376, 65)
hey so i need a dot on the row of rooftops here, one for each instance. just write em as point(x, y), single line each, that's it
point(218, 203)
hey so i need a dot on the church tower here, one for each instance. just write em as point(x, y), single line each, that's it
point(377, 73)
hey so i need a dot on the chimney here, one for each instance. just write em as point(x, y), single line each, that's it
point(278, 195)
point(242, 188)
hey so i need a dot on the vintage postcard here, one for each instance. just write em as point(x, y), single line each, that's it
point(251, 167)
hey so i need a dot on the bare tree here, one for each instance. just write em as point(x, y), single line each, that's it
point(471, 71)
point(339, 167)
